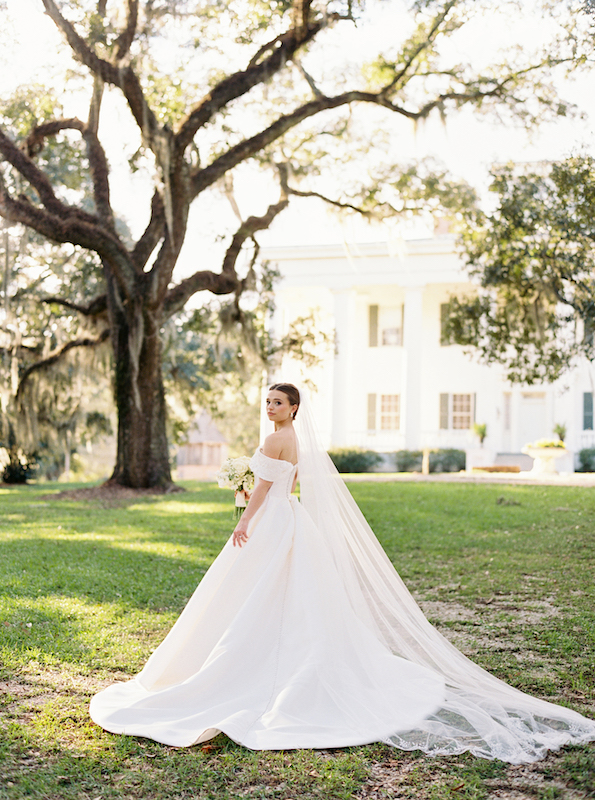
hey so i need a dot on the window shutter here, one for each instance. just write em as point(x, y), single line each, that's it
point(371, 412)
point(587, 411)
point(473, 407)
point(443, 411)
point(373, 326)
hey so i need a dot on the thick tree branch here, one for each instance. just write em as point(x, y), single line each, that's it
point(241, 82)
point(100, 176)
point(96, 155)
point(203, 178)
point(35, 141)
point(97, 306)
point(201, 281)
point(153, 233)
point(122, 76)
point(56, 355)
point(73, 229)
point(31, 172)
point(124, 41)
point(247, 230)
point(265, 49)
point(98, 66)
point(227, 281)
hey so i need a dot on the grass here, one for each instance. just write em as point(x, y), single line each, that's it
point(88, 588)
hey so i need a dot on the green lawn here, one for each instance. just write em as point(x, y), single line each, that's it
point(88, 588)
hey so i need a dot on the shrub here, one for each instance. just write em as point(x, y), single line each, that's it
point(443, 460)
point(587, 459)
point(408, 460)
point(17, 472)
point(447, 460)
point(354, 459)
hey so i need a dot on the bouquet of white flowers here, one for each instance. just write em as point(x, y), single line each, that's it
point(236, 474)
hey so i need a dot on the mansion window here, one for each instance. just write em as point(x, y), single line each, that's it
point(587, 411)
point(386, 409)
point(385, 326)
point(457, 411)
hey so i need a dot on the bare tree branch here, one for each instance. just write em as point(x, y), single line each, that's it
point(428, 41)
point(123, 77)
point(308, 78)
point(202, 178)
point(85, 54)
point(70, 228)
point(301, 15)
point(247, 230)
point(56, 355)
point(205, 280)
point(96, 307)
point(32, 173)
point(96, 154)
point(227, 281)
point(124, 41)
point(241, 82)
point(100, 176)
point(265, 49)
point(330, 201)
point(152, 234)
point(205, 177)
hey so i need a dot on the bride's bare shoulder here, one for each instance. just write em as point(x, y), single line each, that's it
point(280, 444)
point(273, 445)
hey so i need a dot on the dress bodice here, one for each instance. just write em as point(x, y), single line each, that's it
point(280, 472)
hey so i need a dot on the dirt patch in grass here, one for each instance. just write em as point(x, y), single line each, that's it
point(419, 778)
point(110, 495)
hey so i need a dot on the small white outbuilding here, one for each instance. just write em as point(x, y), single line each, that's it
point(205, 449)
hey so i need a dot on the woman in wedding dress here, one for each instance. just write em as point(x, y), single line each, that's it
point(302, 635)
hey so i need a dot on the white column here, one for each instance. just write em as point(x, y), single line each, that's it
point(412, 370)
point(343, 377)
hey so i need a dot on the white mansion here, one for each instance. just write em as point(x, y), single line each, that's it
point(391, 383)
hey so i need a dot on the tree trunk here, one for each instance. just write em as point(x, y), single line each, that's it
point(143, 455)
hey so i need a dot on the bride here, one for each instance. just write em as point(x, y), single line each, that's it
point(302, 635)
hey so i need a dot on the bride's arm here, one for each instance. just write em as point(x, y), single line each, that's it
point(240, 534)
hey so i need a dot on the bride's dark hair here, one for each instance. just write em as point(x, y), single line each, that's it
point(292, 392)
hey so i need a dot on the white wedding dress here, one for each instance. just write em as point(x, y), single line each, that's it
point(269, 651)
point(306, 637)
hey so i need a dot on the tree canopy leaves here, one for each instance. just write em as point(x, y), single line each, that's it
point(533, 258)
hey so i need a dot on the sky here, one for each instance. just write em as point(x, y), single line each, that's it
point(30, 50)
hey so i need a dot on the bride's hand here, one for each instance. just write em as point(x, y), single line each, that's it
point(240, 534)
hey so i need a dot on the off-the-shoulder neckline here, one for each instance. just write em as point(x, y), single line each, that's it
point(282, 460)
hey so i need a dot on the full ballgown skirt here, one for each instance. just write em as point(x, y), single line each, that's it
point(278, 649)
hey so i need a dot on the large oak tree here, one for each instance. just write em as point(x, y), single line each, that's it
point(268, 96)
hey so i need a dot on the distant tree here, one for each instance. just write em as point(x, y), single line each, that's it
point(259, 90)
point(533, 259)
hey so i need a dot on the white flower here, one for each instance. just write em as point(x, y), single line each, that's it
point(235, 473)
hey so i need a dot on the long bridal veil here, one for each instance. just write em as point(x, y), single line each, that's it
point(481, 713)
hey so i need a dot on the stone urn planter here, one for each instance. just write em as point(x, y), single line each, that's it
point(545, 455)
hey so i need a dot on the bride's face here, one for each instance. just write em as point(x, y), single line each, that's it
point(278, 406)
